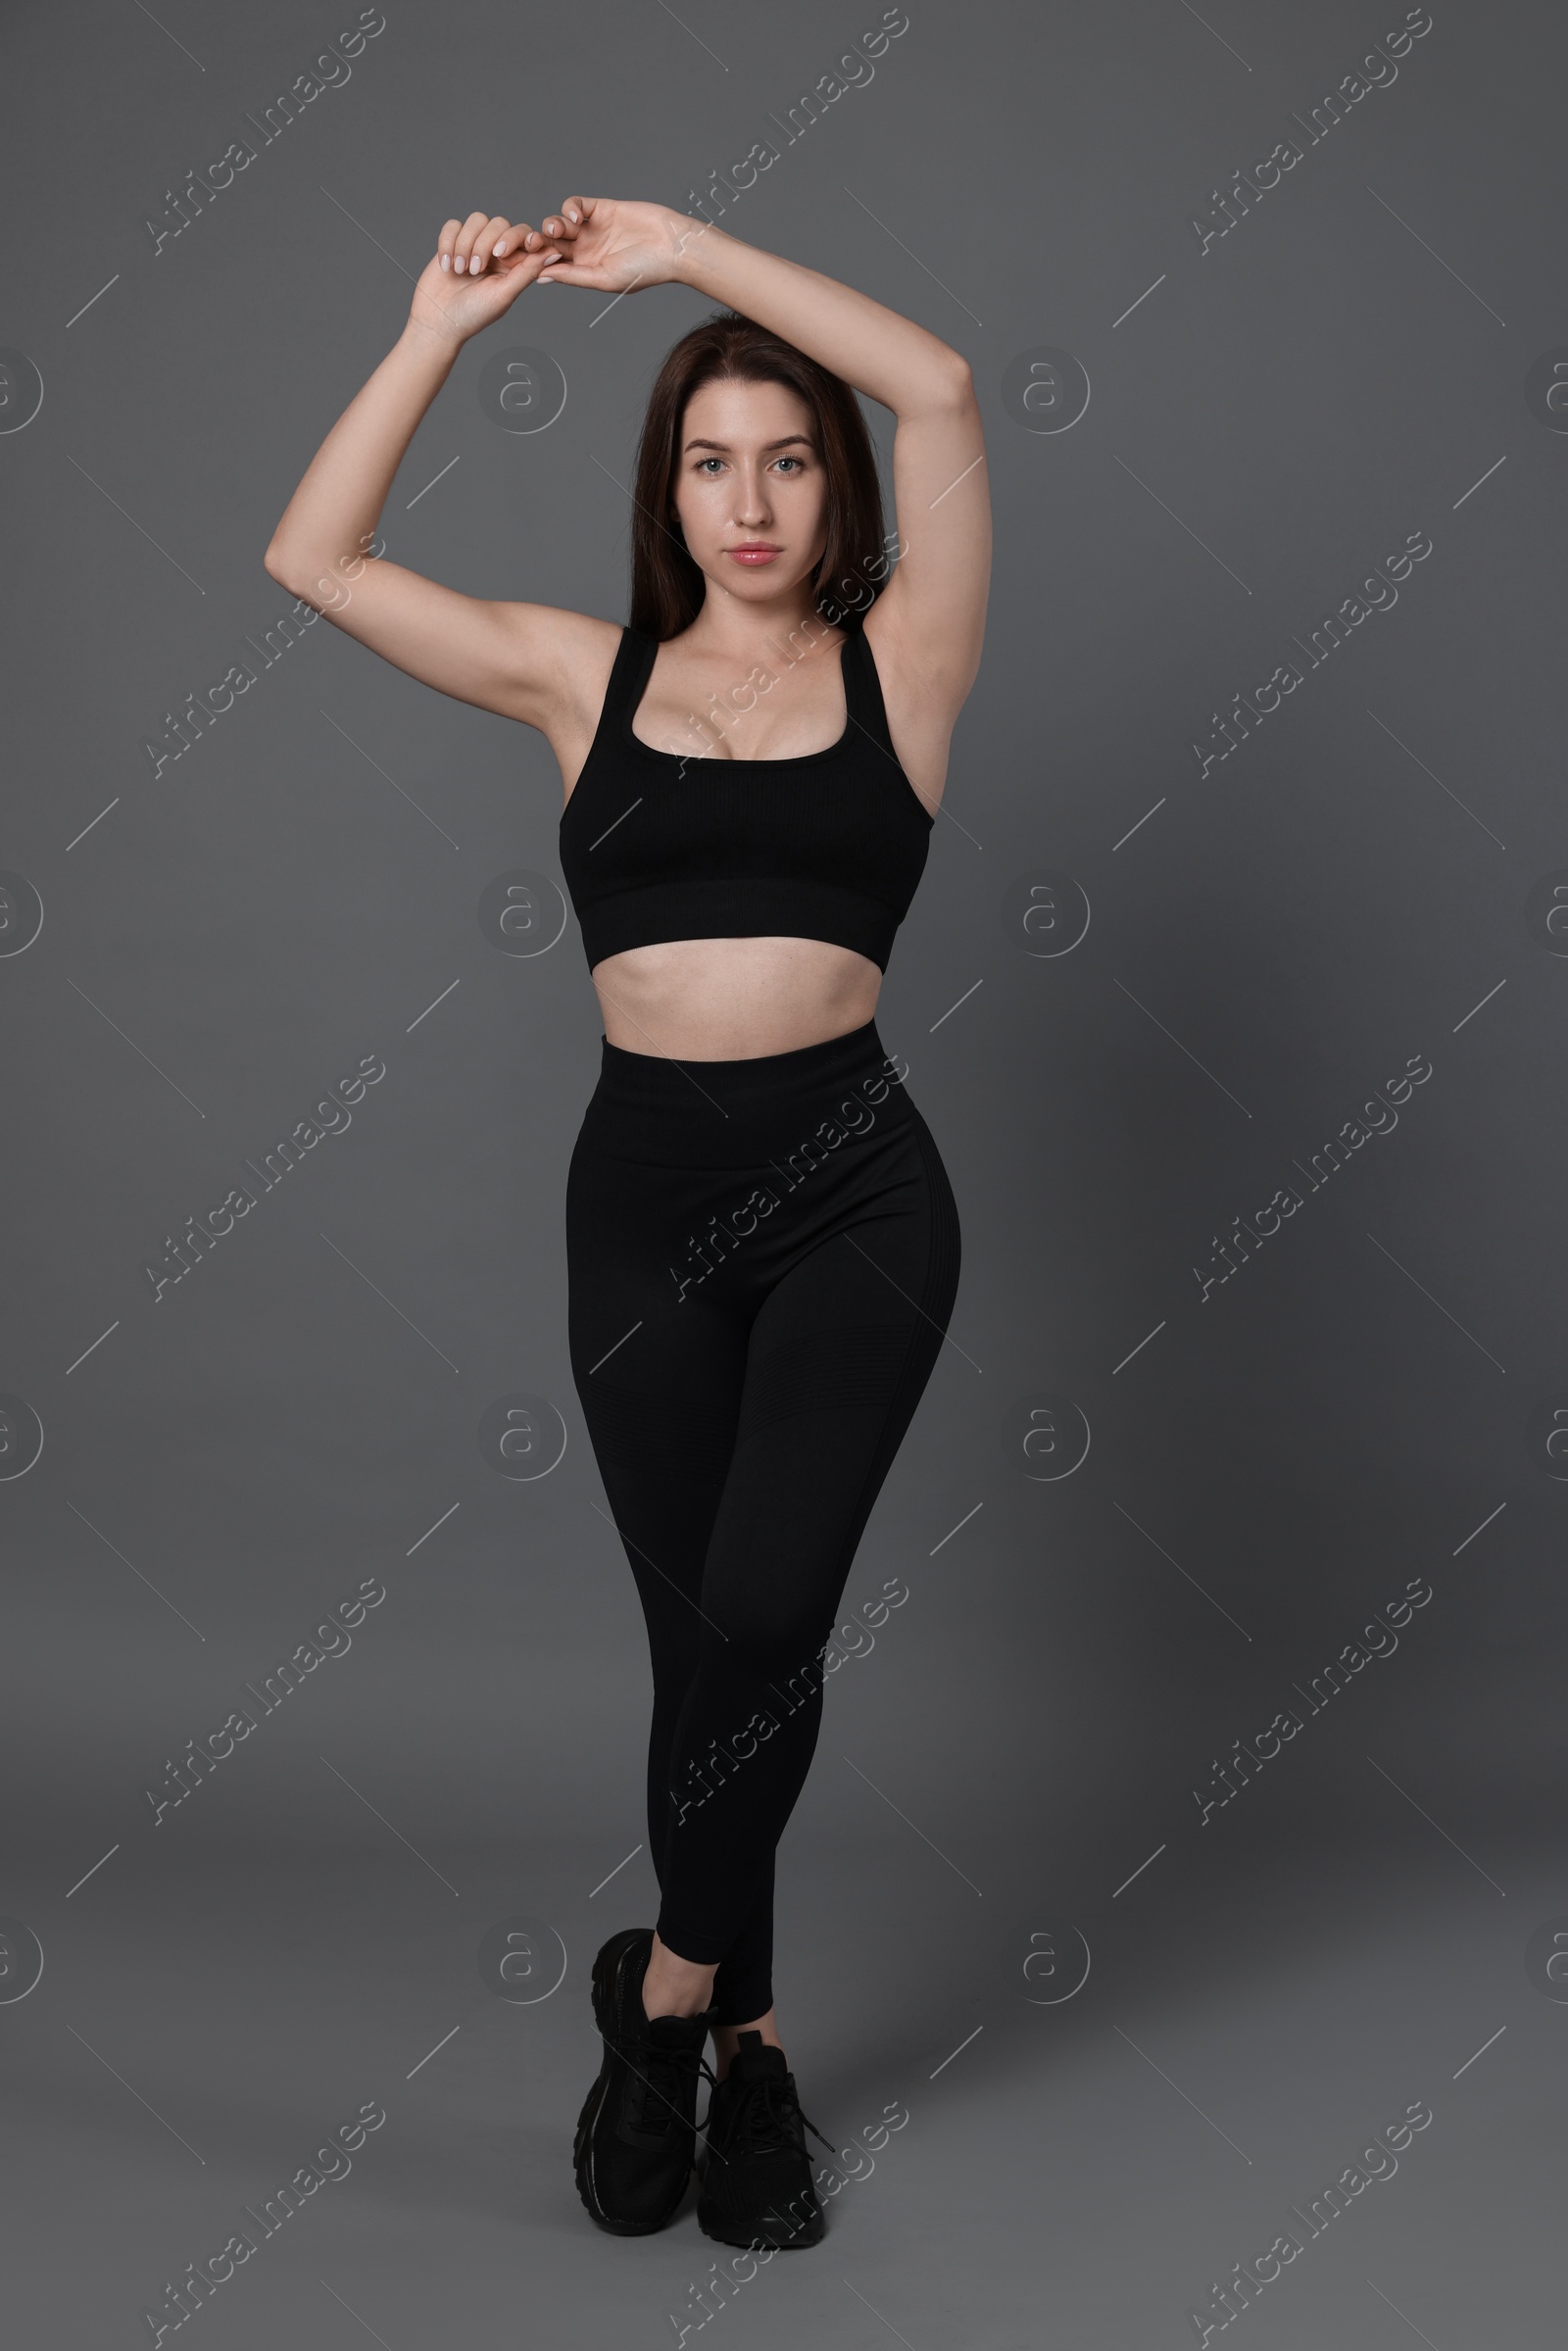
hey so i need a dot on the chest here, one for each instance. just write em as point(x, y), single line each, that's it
point(843, 817)
point(766, 712)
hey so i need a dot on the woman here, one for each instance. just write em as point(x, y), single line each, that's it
point(763, 1248)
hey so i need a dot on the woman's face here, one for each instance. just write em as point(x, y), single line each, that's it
point(749, 474)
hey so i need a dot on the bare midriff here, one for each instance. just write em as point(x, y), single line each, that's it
point(732, 1000)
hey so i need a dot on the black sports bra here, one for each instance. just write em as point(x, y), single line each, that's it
point(657, 845)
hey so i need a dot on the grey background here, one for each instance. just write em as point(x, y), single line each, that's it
point(1366, 1402)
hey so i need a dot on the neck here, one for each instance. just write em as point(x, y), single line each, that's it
point(743, 629)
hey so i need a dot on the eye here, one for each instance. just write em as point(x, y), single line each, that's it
point(707, 461)
point(798, 463)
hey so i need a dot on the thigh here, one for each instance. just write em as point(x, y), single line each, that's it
point(840, 1352)
point(659, 1376)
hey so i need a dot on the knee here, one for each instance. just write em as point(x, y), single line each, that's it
point(781, 1648)
point(675, 1652)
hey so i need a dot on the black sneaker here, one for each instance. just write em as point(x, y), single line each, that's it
point(756, 2187)
point(636, 2134)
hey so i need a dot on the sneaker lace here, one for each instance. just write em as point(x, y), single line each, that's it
point(767, 2120)
point(663, 2087)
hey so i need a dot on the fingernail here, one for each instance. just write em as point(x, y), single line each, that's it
point(446, 261)
point(573, 215)
point(458, 265)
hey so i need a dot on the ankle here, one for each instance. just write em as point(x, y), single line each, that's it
point(675, 1987)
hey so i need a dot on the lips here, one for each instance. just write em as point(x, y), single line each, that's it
point(755, 553)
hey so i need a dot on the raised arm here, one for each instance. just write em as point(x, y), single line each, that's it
point(505, 657)
point(930, 618)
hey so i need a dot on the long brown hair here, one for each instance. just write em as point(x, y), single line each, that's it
point(667, 587)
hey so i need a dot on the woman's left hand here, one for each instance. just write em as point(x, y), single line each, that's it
point(612, 244)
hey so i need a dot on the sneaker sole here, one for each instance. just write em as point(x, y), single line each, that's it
point(604, 2000)
point(759, 2239)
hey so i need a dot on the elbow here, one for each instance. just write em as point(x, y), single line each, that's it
point(946, 390)
point(959, 380)
point(309, 577)
point(304, 585)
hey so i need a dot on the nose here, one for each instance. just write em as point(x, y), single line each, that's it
point(752, 506)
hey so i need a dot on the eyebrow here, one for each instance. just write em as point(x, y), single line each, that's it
point(725, 447)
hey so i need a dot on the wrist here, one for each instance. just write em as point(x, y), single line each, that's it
point(697, 243)
point(430, 343)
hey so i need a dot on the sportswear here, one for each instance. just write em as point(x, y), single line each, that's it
point(757, 2188)
point(661, 845)
point(635, 2142)
point(761, 1258)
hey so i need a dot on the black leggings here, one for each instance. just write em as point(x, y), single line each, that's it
point(763, 1257)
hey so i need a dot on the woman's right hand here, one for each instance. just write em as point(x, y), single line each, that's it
point(614, 245)
point(463, 287)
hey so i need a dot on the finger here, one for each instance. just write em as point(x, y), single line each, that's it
point(525, 266)
point(577, 210)
point(561, 229)
point(522, 243)
point(485, 243)
point(464, 242)
point(516, 243)
point(445, 242)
